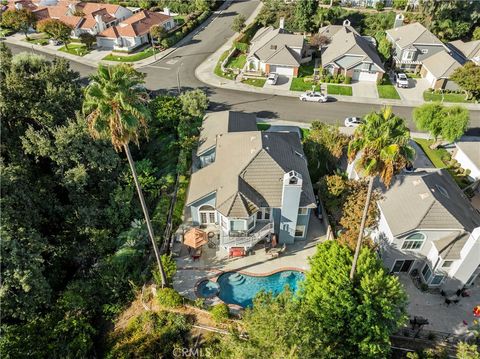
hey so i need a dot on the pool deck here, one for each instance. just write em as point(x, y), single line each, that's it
point(215, 261)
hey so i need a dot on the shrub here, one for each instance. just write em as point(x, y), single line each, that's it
point(380, 5)
point(241, 46)
point(220, 312)
point(199, 303)
point(348, 80)
point(169, 297)
point(170, 268)
point(423, 287)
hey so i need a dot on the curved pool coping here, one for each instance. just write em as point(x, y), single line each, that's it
point(251, 274)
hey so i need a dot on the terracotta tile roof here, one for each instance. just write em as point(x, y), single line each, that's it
point(59, 12)
point(111, 32)
point(137, 25)
point(90, 7)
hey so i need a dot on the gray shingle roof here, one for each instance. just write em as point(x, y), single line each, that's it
point(216, 123)
point(469, 50)
point(345, 42)
point(274, 46)
point(427, 200)
point(441, 64)
point(450, 247)
point(471, 148)
point(414, 33)
point(248, 171)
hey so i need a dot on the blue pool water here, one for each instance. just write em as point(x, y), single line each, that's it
point(240, 289)
point(208, 289)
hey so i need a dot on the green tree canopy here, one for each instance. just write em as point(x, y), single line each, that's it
point(56, 30)
point(353, 319)
point(304, 12)
point(447, 122)
point(238, 23)
point(158, 32)
point(18, 20)
point(468, 78)
point(87, 39)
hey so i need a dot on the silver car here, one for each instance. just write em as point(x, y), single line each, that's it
point(272, 78)
point(314, 97)
point(353, 121)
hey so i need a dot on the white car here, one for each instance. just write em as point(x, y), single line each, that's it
point(272, 78)
point(402, 80)
point(353, 121)
point(314, 97)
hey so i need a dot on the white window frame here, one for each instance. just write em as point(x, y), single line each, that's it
point(238, 220)
point(429, 270)
point(303, 227)
point(302, 211)
point(408, 55)
point(403, 262)
point(207, 213)
point(406, 246)
point(449, 264)
point(441, 281)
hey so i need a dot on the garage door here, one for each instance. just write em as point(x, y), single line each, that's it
point(282, 70)
point(105, 43)
point(430, 79)
point(364, 76)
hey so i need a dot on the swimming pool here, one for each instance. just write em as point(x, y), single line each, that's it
point(238, 288)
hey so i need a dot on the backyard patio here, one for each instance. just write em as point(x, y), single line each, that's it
point(214, 259)
point(452, 318)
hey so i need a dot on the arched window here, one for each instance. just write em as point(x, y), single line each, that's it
point(207, 214)
point(414, 241)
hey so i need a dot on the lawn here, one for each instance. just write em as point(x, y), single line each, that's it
point(447, 97)
point(237, 62)
point(255, 82)
point(437, 158)
point(218, 68)
point(130, 58)
point(298, 84)
point(387, 90)
point(339, 90)
point(75, 49)
point(41, 42)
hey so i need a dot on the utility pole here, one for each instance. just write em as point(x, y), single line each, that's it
point(178, 78)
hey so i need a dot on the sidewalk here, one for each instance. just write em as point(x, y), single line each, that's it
point(94, 58)
point(204, 73)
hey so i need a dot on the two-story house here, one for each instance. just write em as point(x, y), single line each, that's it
point(350, 54)
point(276, 51)
point(412, 44)
point(249, 184)
point(427, 226)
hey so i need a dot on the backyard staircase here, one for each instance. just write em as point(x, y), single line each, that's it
point(246, 241)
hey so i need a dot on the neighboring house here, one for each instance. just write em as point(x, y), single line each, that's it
point(468, 155)
point(117, 27)
point(134, 31)
point(249, 184)
point(438, 68)
point(373, 3)
point(470, 51)
point(277, 51)
point(427, 226)
point(412, 44)
point(350, 54)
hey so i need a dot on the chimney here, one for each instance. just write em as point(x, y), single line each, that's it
point(346, 22)
point(282, 23)
point(166, 11)
point(100, 23)
point(398, 21)
point(291, 192)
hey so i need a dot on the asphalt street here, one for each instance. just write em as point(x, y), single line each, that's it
point(178, 69)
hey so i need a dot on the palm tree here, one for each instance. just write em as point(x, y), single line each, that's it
point(115, 106)
point(383, 141)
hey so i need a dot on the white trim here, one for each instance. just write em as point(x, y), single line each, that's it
point(303, 230)
point(414, 249)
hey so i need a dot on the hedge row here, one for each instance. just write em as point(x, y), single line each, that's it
point(185, 29)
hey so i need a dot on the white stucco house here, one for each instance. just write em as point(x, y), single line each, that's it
point(467, 153)
point(429, 229)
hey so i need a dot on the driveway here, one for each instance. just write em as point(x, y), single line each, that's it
point(283, 83)
point(364, 89)
point(415, 90)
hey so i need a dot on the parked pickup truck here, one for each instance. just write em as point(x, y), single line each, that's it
point(402, 80)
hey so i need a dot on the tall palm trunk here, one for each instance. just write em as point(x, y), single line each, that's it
point(145, 213)
point(362, 228)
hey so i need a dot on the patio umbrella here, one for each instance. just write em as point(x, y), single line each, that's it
point(195, 238)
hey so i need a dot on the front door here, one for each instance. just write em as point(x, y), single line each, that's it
point(402, 266)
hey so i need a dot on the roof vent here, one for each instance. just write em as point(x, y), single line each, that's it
point(273, 47)
point(423, 195)
point(346, 22)
point(252, 138)
point(416, 182)
point(267, 148)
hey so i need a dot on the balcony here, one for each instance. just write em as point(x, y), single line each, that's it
point(244, 239)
